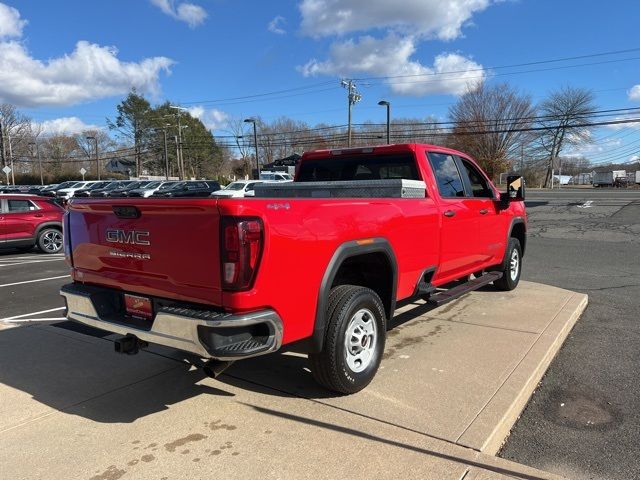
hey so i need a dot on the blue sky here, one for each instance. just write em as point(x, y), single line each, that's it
point(197, 53)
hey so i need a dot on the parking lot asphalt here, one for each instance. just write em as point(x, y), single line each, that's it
point(584, 419)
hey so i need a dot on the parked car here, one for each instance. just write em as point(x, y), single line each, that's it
point(107, 189)
point(226, 279)
point(124, 190)
point(150, 189)
point(29, 220)
point(52, 190)
point(238, 189)
point(276, 176)
point(190, 188)
point(85, 192)
point(69, 192)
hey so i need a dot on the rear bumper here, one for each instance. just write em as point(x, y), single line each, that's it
point(206, 333)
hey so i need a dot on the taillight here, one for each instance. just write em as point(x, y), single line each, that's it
point(241, 249)
point(66, 239)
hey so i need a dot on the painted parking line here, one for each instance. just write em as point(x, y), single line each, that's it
point(30, 262)
point(34, 320)
point(34, 281)
point(32, 314)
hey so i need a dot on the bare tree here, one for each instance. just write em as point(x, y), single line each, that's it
point(15, 133)
point(561, 114)
point(487, 122)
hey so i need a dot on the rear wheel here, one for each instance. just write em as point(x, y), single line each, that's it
point(354, 340)
point(50, 240)
point(511, 271)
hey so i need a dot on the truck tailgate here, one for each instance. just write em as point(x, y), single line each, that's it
point(166, 248)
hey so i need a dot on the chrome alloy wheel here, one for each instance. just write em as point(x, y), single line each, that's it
point(514, 265)
point(52, 241)
point(360, 340)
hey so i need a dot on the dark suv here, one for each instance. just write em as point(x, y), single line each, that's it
point(28, 220)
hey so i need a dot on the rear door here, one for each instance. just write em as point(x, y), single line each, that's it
point(460, 242)
point(158, 247)
point(489, 222)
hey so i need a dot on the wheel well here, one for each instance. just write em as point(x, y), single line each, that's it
point(371, 270)
point(519, 232)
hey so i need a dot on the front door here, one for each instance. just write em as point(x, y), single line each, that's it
point(459, 239)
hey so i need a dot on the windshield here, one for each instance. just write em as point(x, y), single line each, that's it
point(152, 185)
point(167, 186)
point(235, 186)
point(95, 186)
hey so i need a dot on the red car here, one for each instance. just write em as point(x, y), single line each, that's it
point(318, 264)
point(29, 220)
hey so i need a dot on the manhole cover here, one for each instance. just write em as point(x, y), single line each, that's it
point(580, 410)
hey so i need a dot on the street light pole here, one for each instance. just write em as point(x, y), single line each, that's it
point(255, 142)
point(388, 105)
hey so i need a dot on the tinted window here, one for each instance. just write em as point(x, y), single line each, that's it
point(479, 186)
point(447, 175)
point(20, 206)
point(359, 167)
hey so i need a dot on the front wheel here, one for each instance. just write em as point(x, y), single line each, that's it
point(50, 240)
point(354, 340)
point(513, 268)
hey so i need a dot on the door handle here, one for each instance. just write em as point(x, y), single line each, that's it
point(484, 211)
point(449, 213)
point(38, 215)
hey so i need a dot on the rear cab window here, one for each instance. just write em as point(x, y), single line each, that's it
point(359, 167)
point(448, 178)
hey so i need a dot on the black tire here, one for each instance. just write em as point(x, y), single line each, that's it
point(348, 306)
point(509, 280)
point(50, 240)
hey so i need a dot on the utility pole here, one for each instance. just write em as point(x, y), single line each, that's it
point(353, 98)
point(522, 159)
point(166, 153)
point(37, 145)
point(2, 151)
point(13, 178)
point(95, 140)
point(175, 138)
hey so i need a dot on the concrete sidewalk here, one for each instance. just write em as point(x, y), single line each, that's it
point(453, 381)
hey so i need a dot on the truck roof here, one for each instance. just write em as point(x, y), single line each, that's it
point(393, 148)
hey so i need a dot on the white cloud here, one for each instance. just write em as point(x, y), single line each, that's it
point(391, 56)
point(11, 24)
point(634, 93)
point(277, 25)
point(65, 125)
point(212, 118)
point(90, 72)
point(625, 125)
point(433, 18)
point(189, 13)
point(593, 148)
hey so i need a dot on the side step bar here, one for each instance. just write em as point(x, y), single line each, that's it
point(455, 292)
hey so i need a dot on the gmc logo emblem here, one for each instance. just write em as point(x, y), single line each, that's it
point(132, 237)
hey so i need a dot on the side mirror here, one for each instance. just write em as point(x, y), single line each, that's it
point(515, 190)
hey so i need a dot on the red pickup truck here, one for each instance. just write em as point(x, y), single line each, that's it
point(317, 265)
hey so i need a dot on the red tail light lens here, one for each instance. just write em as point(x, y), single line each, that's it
point(242, 242)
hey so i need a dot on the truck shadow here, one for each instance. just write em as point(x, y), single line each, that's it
point(81, 376)
point(77, 373)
